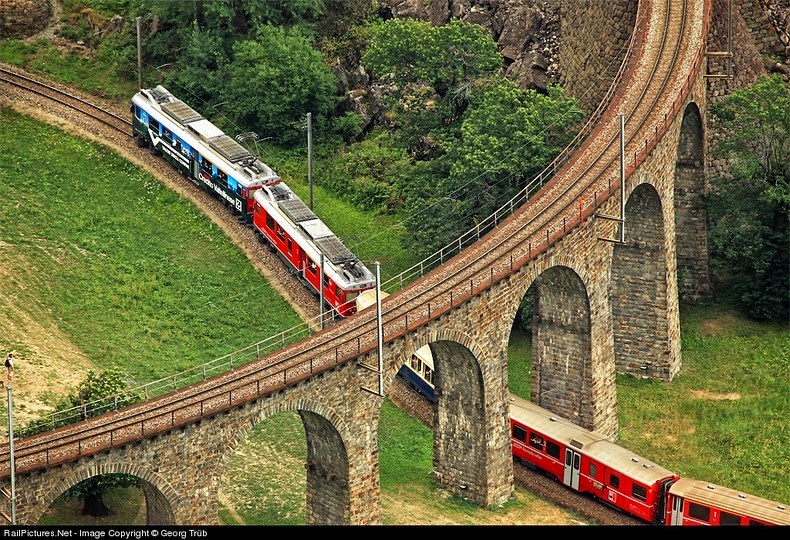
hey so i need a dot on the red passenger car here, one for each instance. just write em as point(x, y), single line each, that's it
point(587, 462)
point(308, 246)
point(694, 502)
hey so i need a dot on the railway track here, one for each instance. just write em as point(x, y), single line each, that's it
point(524, 476)
point(530, 479)
point(81, 105)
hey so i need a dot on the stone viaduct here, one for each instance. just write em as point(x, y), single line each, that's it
point(604, 260)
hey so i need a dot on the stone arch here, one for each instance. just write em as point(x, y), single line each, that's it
point(561, 345)
point(468, 420)
point(459, 435)
point(638, 290)
point(328, 494)
point(159, 493)
point(691, 218)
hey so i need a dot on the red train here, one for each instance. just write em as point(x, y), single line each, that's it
point(251, 190)
point(589, 463)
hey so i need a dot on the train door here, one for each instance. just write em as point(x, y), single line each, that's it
point(194, 169)
point(677, 511)
point(572, 465)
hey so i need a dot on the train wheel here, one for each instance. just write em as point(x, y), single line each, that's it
point(141, 141)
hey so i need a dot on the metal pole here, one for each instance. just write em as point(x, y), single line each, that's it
point(310, 156)
point(139, 58)
point(11, 452)
point(622, 178)
point(380, 328)
point(322, 291)
point(729, 38)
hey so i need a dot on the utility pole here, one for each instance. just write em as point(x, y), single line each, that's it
point(322, 291)
point(379, 328)
point(139, 58)
point(11, 451)
point(310, 156)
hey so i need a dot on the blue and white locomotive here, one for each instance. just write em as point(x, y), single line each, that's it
point(199, 150)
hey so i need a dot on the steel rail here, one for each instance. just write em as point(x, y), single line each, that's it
point(32, 85)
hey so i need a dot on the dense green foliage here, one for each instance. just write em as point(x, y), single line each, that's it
point(750, 208)
point(475, 139)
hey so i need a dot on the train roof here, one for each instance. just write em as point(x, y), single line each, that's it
point(424, 354)
point(345, 268)
point(194, 129)
point(731, 500)
point(586, 442)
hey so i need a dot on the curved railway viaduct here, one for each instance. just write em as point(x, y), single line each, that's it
point(605, 295)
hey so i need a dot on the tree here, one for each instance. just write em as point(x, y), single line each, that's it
point(505, 137)
point(750, 206)
point(274, 81)
point(407, 51)
point(432, 70)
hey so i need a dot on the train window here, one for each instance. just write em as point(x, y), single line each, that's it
point(519, 433)
point(614, 481)
point(311, 266)
point(729, 519)
point(280, 233)
point(166, 135)
point(270, 225)
point(593, 470)
point(153, 125)
point(553, 449)
point(428, 374)
point(639, 492)
point(536, 441)
point(697, 511)
point(290, 246)
point(222, 178)
point(415, 363)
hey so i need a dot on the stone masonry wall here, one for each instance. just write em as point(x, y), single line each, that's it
point(21, 18)
point(595, 37)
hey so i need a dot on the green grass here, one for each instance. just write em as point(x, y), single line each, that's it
point(724, 416)
point(78, 70)
point(136, 276)
point(126, 504)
